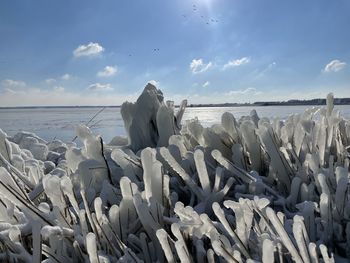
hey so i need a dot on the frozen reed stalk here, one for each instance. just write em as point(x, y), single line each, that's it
point(244, 190)
point(283, 235)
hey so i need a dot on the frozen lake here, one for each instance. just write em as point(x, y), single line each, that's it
point(49, 123)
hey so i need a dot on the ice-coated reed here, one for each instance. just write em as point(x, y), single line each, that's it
point(244, 190)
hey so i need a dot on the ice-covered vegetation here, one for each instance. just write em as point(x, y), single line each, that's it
point(247, 190)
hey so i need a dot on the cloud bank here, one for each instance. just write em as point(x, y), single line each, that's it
point(10, 83)
point(61, 96)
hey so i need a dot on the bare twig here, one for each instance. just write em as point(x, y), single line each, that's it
point(90, 121)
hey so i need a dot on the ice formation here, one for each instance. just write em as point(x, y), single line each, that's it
point(150, 122)
point(247, 190)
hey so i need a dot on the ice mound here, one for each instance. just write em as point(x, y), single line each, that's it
point(247, 190)
point(149, 122)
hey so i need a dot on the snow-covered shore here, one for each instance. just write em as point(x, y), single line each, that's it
point(247, 190)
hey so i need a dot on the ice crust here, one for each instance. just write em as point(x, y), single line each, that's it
point(247, 190)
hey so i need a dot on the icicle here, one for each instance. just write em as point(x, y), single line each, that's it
point(283, 234)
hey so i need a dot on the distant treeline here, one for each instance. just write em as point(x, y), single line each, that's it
point(337, 101)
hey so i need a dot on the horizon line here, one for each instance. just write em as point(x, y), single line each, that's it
point(227, 104)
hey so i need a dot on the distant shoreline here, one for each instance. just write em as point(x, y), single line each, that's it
point(312, 102)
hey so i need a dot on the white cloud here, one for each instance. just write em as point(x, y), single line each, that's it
point(154, 82)
point(50, 81)
point(58, 89)
point(252, 91)
point(9, 91)
point(108, 71)
point(198, 66)
point(236, 62)
point(100, 87)
point(206, 84)
point(66, 77)
point(10, 83)
point(334, 66)
point(91, 49)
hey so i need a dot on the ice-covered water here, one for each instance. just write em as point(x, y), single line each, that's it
point(49, 123)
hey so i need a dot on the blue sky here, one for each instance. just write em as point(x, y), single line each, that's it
point(209, 51)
